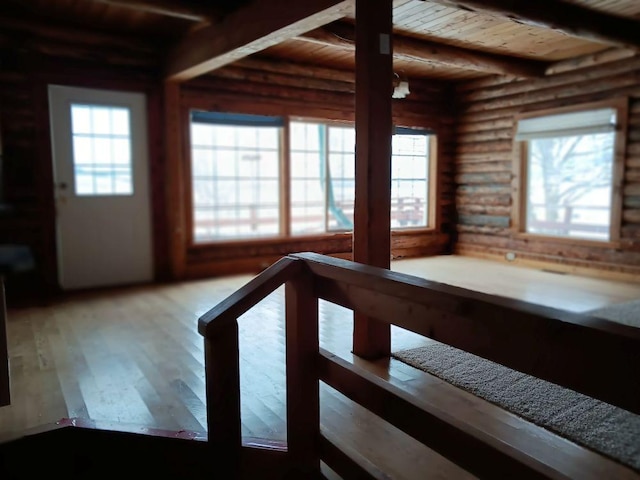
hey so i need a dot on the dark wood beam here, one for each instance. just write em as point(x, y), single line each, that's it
point(562, 17)
point(372, 218)
point(342, 35)
point(297, 69)
point(250, 29)
point(195, 12)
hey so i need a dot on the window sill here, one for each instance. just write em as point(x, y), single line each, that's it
point(407, 231)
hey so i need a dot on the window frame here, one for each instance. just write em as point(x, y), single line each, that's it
point(520, 169)
point(285, 234)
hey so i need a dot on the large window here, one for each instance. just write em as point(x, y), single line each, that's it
point(568, 173)
point(236, 166)
point(323, 178)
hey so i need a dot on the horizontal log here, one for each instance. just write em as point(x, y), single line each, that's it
point(614, 271)
point(544, 93)
point(483, 189)
point(500, 123)
point(487, 135)
point(633, 148)
point(632, 175)
point(290, 68)
point(634, 105)
point(285, 80)
point(633, 133)
point(488, 220)
point(484, 199)
point(483, 230)
point(632, 189)
point(604, 254)
point(590, 60)
point(485, 147)
point(587, 75)
point(631, 232)
point(484, 167)
point(561, 101)
point(634, 120)
point(463, 158)
point(484, 82)
point(492, 210)
point(631, 215)
point(483, 178)
point(630, 201)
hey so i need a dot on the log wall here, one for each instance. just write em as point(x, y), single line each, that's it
point(276, 89)
point(484, 167)
point(312, 93)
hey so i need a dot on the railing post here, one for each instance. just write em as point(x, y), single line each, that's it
point(223, 397)
point(303, 401)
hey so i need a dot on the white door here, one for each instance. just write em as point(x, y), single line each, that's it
point(99, 145)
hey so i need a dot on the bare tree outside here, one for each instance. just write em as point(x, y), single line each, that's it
point(569, 185)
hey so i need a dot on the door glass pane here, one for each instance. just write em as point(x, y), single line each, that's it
point(101, 150)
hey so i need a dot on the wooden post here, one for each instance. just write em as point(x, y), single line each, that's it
point(372, 224)
point(222, 371)
point(303, 392)
point(174, 144)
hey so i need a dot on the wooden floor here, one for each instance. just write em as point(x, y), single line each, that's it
point(133, 356)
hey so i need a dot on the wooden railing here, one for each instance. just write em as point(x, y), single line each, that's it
point(589, 355)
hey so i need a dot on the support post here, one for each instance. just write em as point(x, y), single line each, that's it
point(303, 384)
point(222, 371)
point(372, 224)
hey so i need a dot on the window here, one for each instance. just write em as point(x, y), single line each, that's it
point(568, 173)
point(101, 150)
point(236, 163)
point(323, 178)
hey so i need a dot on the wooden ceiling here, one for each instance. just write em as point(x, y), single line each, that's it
point(439, 39)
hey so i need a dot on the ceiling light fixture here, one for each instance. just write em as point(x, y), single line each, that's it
point(400, 87)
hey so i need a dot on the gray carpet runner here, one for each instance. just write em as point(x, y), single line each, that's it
point(610, 430)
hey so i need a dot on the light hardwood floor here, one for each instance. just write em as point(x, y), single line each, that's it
point(133, 356)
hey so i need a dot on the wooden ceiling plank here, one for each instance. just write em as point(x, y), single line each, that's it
point(341, 35)
point(250, 29)
point(563, 17)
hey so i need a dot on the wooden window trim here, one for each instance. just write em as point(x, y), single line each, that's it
point(519, 180)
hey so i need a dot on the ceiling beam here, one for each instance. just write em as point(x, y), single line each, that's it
point(170, 8)
point(250, 29)
point(560, 16)
point(342, 35)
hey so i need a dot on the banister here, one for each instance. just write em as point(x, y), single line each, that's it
point(593, 356)
point(245, 298)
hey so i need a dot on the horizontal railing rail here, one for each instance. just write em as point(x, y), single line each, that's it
point(590, 355)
